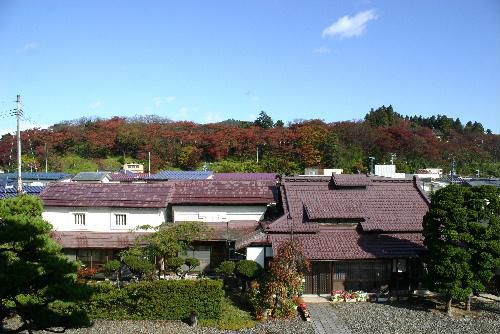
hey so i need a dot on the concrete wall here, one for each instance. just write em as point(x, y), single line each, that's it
point(217, 213)
point(102, 219)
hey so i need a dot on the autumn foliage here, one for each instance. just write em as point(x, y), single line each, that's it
point(233, 145)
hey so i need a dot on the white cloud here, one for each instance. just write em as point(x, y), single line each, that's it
point(321, 50)
point(158, 100)
point(95, 105)
point(28, 47)
point(354, 26)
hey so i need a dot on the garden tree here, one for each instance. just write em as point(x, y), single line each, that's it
point(287, 269)
point(37, 281)
point(226, 269)
point(138, 260)
point(462, 235)
point(248, 269)
point(264, 120)
point(170, 241)
point(182, 266)
point(113, 267)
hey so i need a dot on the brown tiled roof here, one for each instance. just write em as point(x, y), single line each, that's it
point(156, 195)
point(381, 205)
point(351, 180)
point(224, 192)
point(96, 239)
point(233, 230)
point(351, 245)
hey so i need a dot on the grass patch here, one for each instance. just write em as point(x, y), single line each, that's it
point(233, 318)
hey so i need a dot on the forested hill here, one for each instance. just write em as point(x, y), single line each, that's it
point(232, 145)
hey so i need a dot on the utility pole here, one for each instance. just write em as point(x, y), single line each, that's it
point(46, 159)
point(149, 163)
point(257, 153)
point(18, 116)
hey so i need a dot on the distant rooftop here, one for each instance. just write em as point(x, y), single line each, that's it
point(11, 190)
point(35, 176)
point(90, 176)
point(181, 175)
point(245, 176)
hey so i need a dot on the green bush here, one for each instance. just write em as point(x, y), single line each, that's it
point(111, 266)
point(155, 300)
point(233, 318)
point(226, 268)
point(248, 268)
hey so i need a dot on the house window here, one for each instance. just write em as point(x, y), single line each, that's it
point(79, 218)
point(202, 253)
point(120, 219)
point(399, 265)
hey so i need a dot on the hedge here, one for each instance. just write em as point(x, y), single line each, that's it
point(157, 300)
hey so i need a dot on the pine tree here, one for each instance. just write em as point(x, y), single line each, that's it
point(462, 235)
point(37, 282)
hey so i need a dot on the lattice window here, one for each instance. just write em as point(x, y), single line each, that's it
point(120, 220)
point(79, 219)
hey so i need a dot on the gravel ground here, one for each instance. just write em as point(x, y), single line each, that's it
point(296, 326)
point(414, 318)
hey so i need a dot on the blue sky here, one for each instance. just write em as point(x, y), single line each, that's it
point(208, 61)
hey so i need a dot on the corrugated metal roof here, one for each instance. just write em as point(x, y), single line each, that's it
point(11, 190)
point(245, 176)
point(182, 175)
point(35, 176)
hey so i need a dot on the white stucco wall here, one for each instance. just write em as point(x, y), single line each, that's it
point(256, 254)
point(217, 213)
point(259, 253)
point(102, 219)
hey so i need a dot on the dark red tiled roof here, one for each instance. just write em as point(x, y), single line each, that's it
point(224, 192)
point(382, 205)
point(156, 195)
point(351, 180)
point(245, 176)
point(96, 239)
point(233, 230)
point(351, 245)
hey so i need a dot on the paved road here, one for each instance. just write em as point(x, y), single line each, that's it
point(325, 321)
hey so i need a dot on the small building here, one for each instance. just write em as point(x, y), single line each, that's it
point(133, 167)
point(388, 171)
point(317, 171)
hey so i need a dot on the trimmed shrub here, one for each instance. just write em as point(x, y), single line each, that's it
point(158, 300)
point(226, 268)
point(248, 269)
